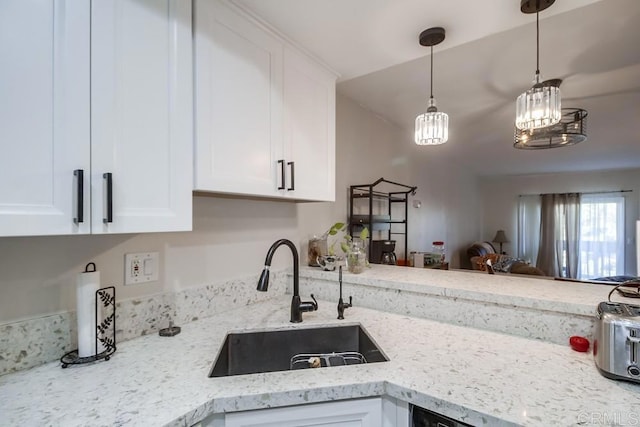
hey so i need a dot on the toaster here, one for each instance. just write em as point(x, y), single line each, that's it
point(616, 348)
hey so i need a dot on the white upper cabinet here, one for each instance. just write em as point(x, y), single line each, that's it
point(44, 117)
point(265, 112)
point(238, 103)
point(142, 115)
point(102, 87)
point(309, 128)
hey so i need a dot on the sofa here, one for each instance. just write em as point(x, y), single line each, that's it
point(480, 252)
point(480, 249)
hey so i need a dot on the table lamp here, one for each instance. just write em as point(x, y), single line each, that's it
point(500, 238)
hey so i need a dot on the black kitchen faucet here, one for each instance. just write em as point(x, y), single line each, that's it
point(297, 306)
point(341, 304)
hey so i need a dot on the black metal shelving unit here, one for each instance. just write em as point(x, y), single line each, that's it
point(380, 222)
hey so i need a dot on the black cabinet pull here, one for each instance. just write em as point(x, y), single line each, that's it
point(79, 174)
point(293, 175)
point(282, 179)
point(109, 193)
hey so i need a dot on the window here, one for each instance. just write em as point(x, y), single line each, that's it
point(601, 236)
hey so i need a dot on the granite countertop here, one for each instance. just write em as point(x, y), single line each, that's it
point(477, 376)
point(509, 289)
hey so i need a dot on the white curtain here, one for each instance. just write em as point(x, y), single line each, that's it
point(558, 254)
point(528, 227)
point(602, 236)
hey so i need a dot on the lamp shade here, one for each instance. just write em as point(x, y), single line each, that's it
point(432, 127)
point(500, 237)
point(538, 107)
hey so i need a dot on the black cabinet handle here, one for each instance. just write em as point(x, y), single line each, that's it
point(79, 174)
point(293, 175)
point(109, 193)
point(281, 163)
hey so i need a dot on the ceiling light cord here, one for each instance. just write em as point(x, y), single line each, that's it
point(431, 88)
point(537, 47)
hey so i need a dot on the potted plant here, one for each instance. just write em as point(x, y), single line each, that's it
point(318, 245)
point(354, 250)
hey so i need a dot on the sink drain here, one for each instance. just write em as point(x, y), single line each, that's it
point(323, 360)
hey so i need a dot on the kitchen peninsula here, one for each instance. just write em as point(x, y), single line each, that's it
point(526, 306)
point(480, 377)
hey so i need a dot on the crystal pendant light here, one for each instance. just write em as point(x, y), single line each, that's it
point(539, 106)
point(432, 127)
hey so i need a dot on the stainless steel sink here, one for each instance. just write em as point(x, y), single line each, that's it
point(282, 350)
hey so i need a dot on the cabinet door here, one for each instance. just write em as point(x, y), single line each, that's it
point(345, 413)
point(141, 115)
point(310, 106)
point(238, 103)
point(44, 116)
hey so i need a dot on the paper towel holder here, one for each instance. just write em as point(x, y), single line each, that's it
point(105, 330)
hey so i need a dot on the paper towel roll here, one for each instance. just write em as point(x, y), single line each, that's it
point(88, 283)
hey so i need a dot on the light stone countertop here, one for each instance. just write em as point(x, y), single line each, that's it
point(508, 289)
point(480, 377)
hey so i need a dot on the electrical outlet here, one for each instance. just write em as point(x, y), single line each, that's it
point(141, 267)
point(135, 267)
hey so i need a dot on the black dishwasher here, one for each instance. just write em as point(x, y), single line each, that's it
point(421, 417)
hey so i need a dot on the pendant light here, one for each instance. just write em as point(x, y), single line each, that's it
point(432, 127)
point(571, 130)
point(539, 106)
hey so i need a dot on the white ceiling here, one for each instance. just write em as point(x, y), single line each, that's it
point(486, 61)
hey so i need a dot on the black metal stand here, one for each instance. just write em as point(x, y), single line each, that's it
point(380, 222)
point(105, 331)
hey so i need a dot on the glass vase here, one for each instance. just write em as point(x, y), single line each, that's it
point(357, 257)
point(317, 247)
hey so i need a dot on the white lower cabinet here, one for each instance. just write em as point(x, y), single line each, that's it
point(369, 412)
point(395, 412)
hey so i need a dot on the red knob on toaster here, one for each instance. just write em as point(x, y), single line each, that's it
point(579, 343)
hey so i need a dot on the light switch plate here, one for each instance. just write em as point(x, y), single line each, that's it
point(141, 267)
